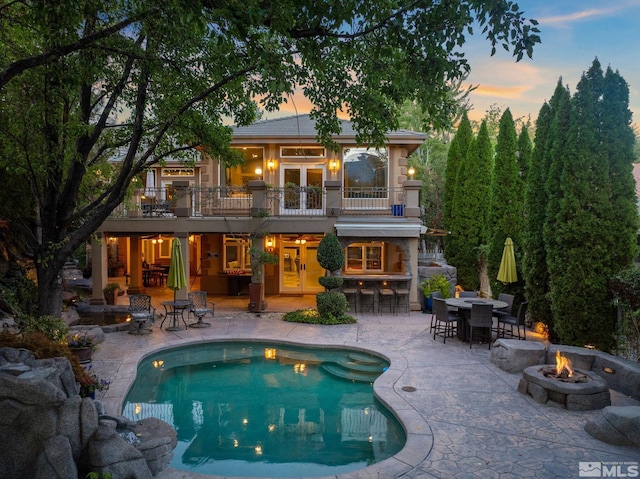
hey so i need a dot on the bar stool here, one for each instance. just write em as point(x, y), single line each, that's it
point(386, 294)
point(368, 294)
point(402, 294)
point(351, 293)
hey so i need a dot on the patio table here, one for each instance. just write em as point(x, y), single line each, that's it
point(175, 310)
point(464, 307)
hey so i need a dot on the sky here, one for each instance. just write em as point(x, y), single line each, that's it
point(573, 34)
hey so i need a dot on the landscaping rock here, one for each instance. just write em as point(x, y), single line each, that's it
point(617, 425)
point(514, 356)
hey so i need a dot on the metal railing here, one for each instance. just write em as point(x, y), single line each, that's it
point(373, 201)
point(220, 201)
point(296, 201)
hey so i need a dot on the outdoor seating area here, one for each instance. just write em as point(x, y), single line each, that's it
point(378, 294)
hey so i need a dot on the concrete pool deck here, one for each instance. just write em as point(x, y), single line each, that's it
point(463, 416)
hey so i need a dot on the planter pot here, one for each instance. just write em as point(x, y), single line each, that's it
point(110, 297)
point(84, 355)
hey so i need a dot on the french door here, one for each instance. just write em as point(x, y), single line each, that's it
point(303, 193)
point(299, 267)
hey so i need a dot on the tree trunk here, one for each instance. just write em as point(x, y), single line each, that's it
point(49, 291)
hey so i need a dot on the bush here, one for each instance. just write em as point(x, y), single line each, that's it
point(436, 283)
point(51, 327)
point(330, 254)
point(311, 316)
point(331, 303)
point(330, 282)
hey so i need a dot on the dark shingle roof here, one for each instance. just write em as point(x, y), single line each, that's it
point(302, 126)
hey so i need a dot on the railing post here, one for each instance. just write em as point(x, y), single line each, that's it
point(412, 192)
point(334, 200)
point(183, 198)
point(258, 190)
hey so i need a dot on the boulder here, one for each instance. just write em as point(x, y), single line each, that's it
point(618, 425)
point(514, 356)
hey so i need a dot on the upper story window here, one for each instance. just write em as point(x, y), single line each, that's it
point(302, 152)
point(365, 170)
point(237, 177)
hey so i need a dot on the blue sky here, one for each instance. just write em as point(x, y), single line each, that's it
point(573, 33)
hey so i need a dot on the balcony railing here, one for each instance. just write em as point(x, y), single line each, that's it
point(277, 201)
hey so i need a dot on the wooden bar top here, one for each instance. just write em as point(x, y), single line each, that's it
point(377, 277)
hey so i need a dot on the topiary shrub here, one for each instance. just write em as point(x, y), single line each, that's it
point(330, 282)
point(331, 303)
point(330, 254)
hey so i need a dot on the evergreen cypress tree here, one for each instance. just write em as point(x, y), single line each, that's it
point(525, 153)
point(534, 262)
point(582, 312)
point(471, 206)
point(617, 139)
point(457, 153)
point(507, 201)
point(554, 148)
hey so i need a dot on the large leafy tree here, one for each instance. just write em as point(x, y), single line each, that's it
point(84, 81)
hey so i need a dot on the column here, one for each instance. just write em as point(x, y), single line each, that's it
point(99, 268)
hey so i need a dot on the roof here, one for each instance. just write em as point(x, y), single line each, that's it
point(303, 127)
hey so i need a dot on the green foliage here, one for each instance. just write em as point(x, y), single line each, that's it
point(331, 282)
point(625, 289)
point(470, 211)
point(436, 283)
point(331, 303)
point(312, 316)
point(51, 327)
point(457, 153)
point(19, 292)
point(111, 287)
point(330, 253)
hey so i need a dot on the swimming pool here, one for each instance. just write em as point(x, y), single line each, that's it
point(267, 409)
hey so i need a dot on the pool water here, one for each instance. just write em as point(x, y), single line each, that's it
point(267, 409)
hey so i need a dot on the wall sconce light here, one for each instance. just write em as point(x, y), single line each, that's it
point(411, 171)
point(258, 172)
point(269, 243)
point(300, 240)
point(333, 165)
point(271, 165)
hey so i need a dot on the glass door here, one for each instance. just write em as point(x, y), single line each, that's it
point(299, 267)
point(303, 192)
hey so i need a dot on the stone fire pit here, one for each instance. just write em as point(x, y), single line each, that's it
point(586, 392)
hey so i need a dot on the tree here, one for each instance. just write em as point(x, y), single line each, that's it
point(469, 232)
point(506, 218)
point(84, 82)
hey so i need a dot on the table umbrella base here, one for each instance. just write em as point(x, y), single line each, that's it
point(175, 328)
point(200, 324)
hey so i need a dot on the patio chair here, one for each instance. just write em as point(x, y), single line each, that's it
point(141, 313)
point(481, 317)
point(503, 312)
point(468, 294)
point(446, 322)
point(517, 321)
point(200, 307)
point(351, 294)
point(387, 295)
point(368, 300)
point(401, 297)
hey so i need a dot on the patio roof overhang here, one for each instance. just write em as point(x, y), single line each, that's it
point(379, 229)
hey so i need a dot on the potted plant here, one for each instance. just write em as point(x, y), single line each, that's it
point(110, 291)
point(90, 383)
point(437, 282)
point(82, 346)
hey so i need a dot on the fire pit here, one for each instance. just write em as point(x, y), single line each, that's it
point(574, 389)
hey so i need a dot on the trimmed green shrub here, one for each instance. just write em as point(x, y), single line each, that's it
point(331, 303)
point(311, 316)
point(330, 282)
point(330, 254)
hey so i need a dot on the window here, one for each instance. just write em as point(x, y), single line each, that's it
point(365, 172)
point(302, 151)
point(171, 172)
point(364, 258)
point(236, 253)
point(237, 177)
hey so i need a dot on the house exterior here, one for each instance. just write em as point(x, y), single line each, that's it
point(287, 195)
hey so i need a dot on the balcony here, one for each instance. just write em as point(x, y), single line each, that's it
point(259, 199)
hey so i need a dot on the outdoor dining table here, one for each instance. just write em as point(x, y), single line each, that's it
point(175, 310)
point(464, 307)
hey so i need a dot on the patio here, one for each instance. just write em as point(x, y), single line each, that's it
point(462, 414)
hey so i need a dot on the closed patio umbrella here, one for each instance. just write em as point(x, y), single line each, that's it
point(150, 185)
point(507, 272)
point(177, 278)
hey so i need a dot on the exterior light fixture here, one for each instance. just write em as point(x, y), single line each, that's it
point(271, 165)
point(411, 171)
point(333, 165)
point(269, 243)
point(258, 171)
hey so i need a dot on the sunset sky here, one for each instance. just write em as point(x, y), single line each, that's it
point(573, 33)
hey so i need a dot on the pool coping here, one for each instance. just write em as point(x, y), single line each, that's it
point(419, 436)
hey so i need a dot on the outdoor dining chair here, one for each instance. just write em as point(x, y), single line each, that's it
point(446, 322)
point(468, 294)
point(511, 321)
point(481, 317)
point(200, 307)
point(142, 313)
